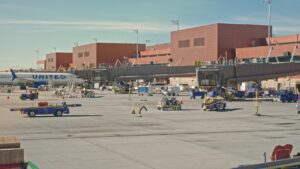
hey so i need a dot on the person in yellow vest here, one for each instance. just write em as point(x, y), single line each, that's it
point(204, 103)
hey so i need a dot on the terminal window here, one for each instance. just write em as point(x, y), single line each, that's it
point(80, 55)
point(183, 43)
point(86, 54)
point(199, 42)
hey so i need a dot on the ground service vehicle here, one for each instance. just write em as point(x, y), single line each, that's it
point(213, 104)
point(121, 87)
point(44, 109)
point(169, 104)
point(287, 96)
point(32, 95)
point(87, 94)
point(171, 91)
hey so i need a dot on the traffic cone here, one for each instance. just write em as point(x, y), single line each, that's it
point(7, 97)
point(133, 109)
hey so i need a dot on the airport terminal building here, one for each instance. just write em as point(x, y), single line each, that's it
point(93, 55)
point(218, 43)
point(58, 61)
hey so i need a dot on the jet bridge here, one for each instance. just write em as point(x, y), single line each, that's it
point(224, 75)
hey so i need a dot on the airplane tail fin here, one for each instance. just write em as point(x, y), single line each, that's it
point(14, 76)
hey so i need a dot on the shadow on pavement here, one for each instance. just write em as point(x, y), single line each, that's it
point(230, 110)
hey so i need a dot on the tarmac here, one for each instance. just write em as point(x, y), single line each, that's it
point(103, 134)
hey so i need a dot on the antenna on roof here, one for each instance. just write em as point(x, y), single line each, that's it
point(176, 22)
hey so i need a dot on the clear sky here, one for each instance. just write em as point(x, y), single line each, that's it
point(30, 25)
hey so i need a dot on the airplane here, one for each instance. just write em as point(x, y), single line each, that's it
point(35, 80)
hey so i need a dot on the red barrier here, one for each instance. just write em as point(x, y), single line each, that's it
point(282, 152)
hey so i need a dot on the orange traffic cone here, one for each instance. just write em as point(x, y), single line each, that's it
point(7, 98)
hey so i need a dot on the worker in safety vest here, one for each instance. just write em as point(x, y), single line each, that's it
point(204, 103)
point(298, 104)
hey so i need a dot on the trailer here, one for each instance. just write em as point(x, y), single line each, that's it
point(44, 109)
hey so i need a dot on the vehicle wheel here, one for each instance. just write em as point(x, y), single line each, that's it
point(224, 106)
point(31, 114)
point(217, 108)
point(59, 113)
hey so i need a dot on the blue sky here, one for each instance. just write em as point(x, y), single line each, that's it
point(30, 25)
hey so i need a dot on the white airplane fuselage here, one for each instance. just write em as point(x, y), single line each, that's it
point(42, 78)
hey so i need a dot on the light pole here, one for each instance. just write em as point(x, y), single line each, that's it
point(147, 41)
point(37, 57)
point(137, 42)
point(37, 53)
point(269, 2)
point(176, 22)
